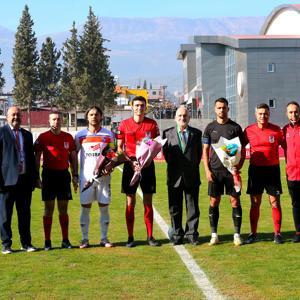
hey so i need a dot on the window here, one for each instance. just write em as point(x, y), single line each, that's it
point(153, 93)
point(271, 68)
point(272, 103)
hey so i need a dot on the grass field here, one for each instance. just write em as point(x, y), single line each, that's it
point(259, 271)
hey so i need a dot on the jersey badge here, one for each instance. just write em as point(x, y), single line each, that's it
point(66, 145)
point(271, 139)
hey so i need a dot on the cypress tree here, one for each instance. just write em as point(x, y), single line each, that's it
point(71, 75)
point(49, 73)
point(97, 82)
point(24, 66)
point(2, 80)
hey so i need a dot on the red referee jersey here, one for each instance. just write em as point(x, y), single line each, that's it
point(55, 148)
point(264, 143)
point(292, 151)
point(132, 133)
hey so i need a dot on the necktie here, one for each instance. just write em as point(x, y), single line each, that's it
point(18, 140)
point(183, 140)
point(20, 152)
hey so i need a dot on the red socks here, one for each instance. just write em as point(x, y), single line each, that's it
point(148, 217)
point(64, 224)
point(254, 216)
point(47, 221)
point(277, 216)
point(129, 214)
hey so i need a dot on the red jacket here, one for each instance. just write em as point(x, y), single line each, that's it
point(292, 151)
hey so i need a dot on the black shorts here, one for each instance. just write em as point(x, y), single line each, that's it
point(264, 177)
point(222, 178)
point(294, 190)
point(56, 184)
point(147, 181)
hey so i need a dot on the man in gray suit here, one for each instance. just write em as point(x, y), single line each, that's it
point(182, 152)
point(17, 180)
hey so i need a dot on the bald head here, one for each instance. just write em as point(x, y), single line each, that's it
point(13, 117)
point(182, 117)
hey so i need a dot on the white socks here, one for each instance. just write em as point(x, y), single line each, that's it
point(104, 221)
point(85, 222)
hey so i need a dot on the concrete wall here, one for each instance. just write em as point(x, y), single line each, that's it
point(213, 76)
point(282, 85)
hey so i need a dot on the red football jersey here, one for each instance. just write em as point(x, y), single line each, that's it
point(131, 133)
point(56, 149)
point(264, 143)
point(292, 151)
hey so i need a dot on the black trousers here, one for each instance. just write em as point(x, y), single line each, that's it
point(191, 196)
point(21, 195)
point(294, 190)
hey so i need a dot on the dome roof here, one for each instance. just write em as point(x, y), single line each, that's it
point(283, 20)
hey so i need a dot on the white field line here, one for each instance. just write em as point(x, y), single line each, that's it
point(199, 276)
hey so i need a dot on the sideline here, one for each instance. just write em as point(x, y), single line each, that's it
point(199, 276)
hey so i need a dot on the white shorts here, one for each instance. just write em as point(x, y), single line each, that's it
point(99, 191)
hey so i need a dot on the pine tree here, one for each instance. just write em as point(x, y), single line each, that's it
point(49, 73)
point(24, 66)
point(71, 75)
point(97, 82)
point(2, 80)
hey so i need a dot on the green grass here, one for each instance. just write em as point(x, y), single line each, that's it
point(259, 271)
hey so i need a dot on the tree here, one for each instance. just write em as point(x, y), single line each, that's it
point(97, 82)
point(24, 66)
point(49, 73)
point(2, 80)
point(70, 97)
point(145, 85)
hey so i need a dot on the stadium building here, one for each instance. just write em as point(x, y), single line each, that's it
point(246, 69)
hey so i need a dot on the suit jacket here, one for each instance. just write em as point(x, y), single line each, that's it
point(183, 165)
point(9, 159)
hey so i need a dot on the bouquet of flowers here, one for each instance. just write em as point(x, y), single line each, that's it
point(106, 162)
point(229, 153)
point(145, 153)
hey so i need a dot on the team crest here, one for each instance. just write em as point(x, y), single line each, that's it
point(66, 145)
point(271, 139)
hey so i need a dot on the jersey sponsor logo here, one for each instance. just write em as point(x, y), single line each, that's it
point(66, 145)
point(271, 139)
point(95, 147)
point(93, 154)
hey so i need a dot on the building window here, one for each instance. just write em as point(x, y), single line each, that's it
point(272, 103)
point(271, 68)
point(153, 93)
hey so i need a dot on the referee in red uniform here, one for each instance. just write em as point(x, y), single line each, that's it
point(264, 139)
point(291, 133)
point(58, 149)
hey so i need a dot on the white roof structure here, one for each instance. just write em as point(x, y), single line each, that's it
point(283, 20)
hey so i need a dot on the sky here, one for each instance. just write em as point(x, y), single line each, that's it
point(52, 16)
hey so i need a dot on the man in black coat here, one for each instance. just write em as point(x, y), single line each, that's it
point(17, 180)
point(182, 152)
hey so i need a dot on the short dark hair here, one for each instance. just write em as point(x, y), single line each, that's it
point(99, 110)
point(263, 105)
point(139, 98)
point(293, 103)
point(222, 100)
point(55, 112)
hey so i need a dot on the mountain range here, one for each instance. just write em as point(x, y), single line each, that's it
point(143, 48)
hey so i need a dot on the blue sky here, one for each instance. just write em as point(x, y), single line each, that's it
point(55, 16)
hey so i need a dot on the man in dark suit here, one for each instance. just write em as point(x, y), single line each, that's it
point(17, 180)
point(182, 152)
